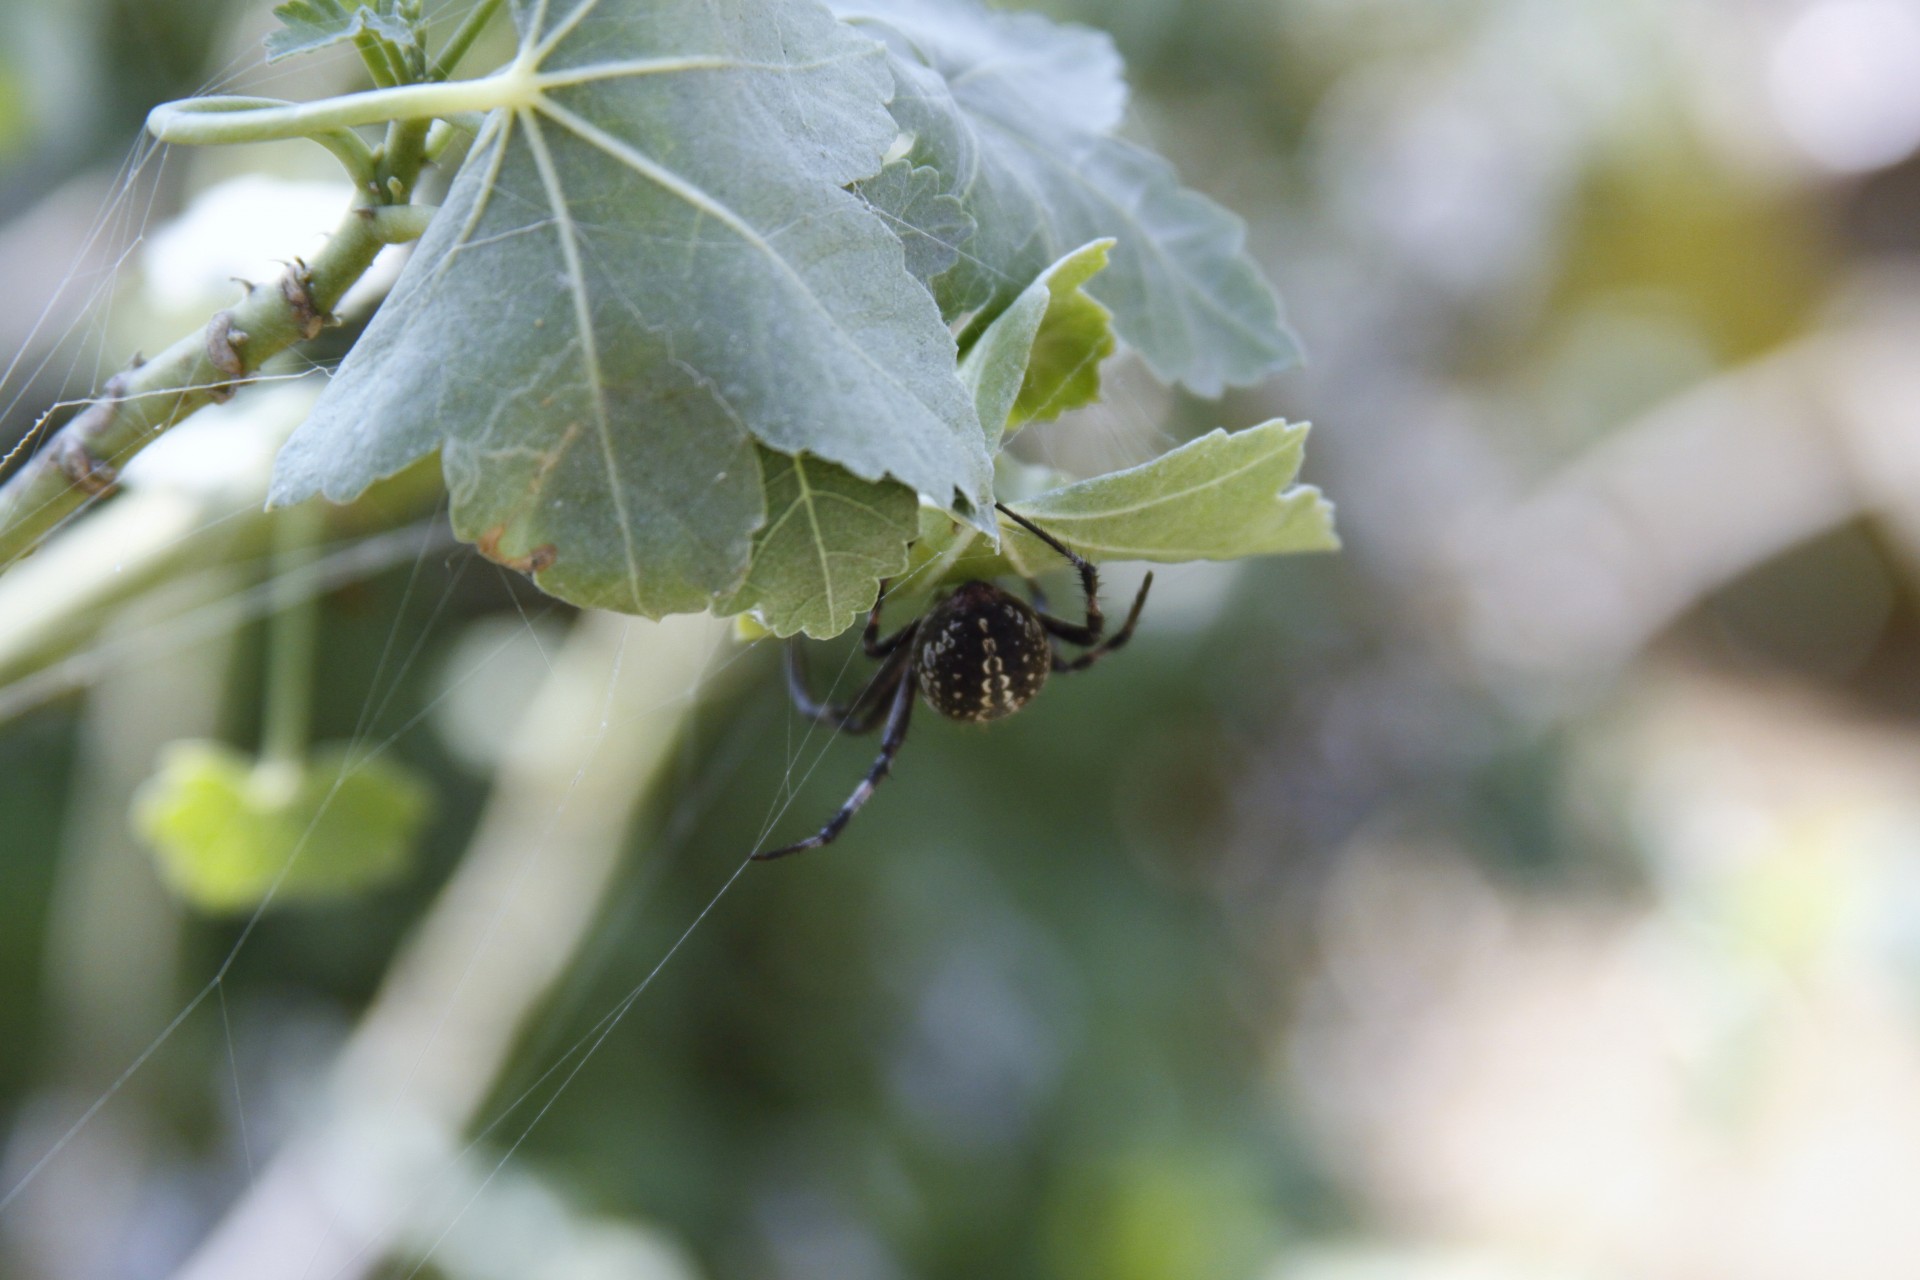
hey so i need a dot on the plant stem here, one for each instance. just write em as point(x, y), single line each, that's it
point(215, 120)
point(347, 146)
point(462, 39)
point(287, 720)
point(403, 156)
point(80, 462)
point(373, 52)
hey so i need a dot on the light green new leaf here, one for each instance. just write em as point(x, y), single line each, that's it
point(829, 539)
point(649, 263)
point(1041, 356)
point(1220, 497)
point(988, 98)
point(932, 224)
point(225, 829)
point(995, 365)
point(307, 25)
point(1075, 336)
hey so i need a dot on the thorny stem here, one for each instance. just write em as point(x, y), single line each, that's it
point(80, 462)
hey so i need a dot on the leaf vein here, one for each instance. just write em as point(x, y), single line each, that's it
point(590, 350)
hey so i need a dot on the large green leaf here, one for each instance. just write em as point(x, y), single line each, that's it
point(1220, 497)
point(1015, 112)
point(648, 263)
point(1062, 77)
point(226, 829)
point(829, 539)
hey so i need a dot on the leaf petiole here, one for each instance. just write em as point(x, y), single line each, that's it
point(378, 56)
point(203, 121)
point(462, 39)
point(443, 133)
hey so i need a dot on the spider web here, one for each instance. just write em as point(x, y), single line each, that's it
point(427, 1193)
point(56, 1138)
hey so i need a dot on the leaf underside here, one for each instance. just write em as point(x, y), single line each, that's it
point(1016, 112)
point(931, 222)
point(637, 279)
point(307, 25)
point(1220, 497)
point(829, 539)
point(1041, 356)
point(680, 337)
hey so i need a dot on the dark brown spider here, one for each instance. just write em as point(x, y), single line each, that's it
point(979, 654)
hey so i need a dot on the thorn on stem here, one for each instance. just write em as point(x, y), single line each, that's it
point(223, 353)
point(76, 462)
point(296, 290)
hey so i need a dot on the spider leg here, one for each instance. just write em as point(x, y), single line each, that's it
point(1087, 633)
point(870, 639)
point(1119, 638)
point(864, 712)
point(899, 712)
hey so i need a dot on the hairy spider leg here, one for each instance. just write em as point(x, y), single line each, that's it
point(898, 714)
point(863, 714)
point(1064, 664)
point(1087, 633)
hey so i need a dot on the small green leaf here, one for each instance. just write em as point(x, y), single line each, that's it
point(1041, 356)
point(224, 828)
point(829, 539)
point(931, 224)
point(315, 24)
point(1220, 497)
point(995, 366)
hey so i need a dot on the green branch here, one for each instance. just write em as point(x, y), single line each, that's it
point(82, 460)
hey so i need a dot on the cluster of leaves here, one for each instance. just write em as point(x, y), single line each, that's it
point(684, 330)
point(391, 34)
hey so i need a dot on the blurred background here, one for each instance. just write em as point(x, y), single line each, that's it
point(1531, 891)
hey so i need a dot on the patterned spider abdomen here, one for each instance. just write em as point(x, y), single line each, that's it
point(980, 654)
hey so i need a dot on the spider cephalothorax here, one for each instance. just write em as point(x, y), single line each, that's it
point(979, 654)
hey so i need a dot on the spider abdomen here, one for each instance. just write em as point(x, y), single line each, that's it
point(981, 654)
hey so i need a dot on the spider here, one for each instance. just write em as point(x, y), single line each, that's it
point(978, 655)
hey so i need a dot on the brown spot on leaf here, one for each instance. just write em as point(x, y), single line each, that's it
point(538, 560)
